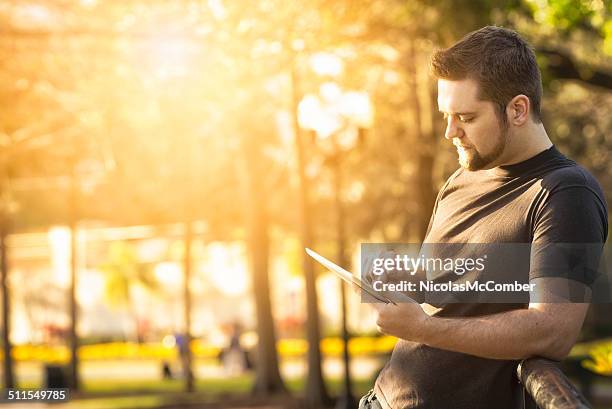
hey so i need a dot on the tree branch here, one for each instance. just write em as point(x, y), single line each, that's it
point(562, 66)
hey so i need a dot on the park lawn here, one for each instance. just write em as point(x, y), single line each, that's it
point(144, 394)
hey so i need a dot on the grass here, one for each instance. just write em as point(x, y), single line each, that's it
point(149, 394)
point(145, 394)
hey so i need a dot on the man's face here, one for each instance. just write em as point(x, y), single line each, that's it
point(471, 124)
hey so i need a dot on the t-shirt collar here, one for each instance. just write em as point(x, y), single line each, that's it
point(517, 169)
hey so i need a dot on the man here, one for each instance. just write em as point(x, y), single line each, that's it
point(513, 186)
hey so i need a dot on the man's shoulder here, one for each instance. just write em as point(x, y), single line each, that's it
point(455, 175)
point(574, 193)
point(570, 176)
point(449, 183)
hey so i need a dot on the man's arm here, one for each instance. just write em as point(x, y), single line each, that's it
point(548, 330)
point(550, 326)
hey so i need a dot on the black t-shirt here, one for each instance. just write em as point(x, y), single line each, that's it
point(545, 199)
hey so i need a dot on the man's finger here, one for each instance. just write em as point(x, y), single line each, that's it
point(355, 288)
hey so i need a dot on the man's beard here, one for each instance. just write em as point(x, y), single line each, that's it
point(471, 159)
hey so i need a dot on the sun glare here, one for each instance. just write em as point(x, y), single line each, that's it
point(169, 54)
point(59, 243)
point(315, 115)
point(169, 274)
point(226, 267)
point(333, 110)
point(326, 64)
point(358, 107)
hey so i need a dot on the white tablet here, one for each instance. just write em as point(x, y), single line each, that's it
point(348, 276)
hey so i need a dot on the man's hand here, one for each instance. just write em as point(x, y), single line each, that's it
point(406, 320)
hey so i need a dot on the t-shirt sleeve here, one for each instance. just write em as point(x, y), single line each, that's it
point(568, 235)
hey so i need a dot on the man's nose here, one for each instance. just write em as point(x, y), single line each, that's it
point(453, 130)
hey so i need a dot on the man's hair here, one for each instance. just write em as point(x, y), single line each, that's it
point(500, 61)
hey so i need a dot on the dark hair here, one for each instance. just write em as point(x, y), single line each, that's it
point(499, 60)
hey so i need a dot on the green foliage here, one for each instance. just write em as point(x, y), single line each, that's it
point(563, 14)
point(122, 270)
point(607, 31)
point(568, 16)
point(600, 360)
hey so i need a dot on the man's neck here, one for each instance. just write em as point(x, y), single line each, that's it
point(525, 143)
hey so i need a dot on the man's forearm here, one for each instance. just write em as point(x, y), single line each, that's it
point(516, 334)
point(547, 329)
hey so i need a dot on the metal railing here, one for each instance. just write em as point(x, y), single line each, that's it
point(547, 387)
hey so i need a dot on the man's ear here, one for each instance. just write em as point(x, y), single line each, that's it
point(518, 110)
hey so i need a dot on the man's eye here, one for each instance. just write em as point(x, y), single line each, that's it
point(466, 120)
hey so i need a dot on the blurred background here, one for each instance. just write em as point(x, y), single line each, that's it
point(163, 163)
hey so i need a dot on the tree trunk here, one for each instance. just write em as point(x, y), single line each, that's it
point(268, 379)
point(9, 379)
point(267, 375)
point(426, 144)
point(73, 338)
point(346, 399)
point(426, 193)
point(186, 357)
point(315, 394)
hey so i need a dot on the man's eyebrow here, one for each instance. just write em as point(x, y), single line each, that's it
point(457, 113)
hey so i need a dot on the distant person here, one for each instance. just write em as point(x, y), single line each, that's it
point(166, 370)
point(513, 186)
point(183, 351)
point(234, 356)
